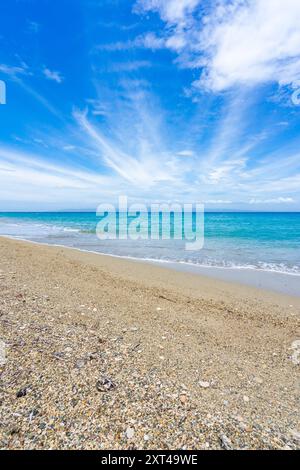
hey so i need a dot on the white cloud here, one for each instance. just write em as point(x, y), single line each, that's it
point(14, 71)
point(178, 16)
point(237, 42)
point(98, 108)
point(278, 200)
point(172, 11)
point(218, 201)
point(133, 150)
point(122, 164)
point(186, 153)
point(226, 170)
point(18, 75)
point(33, 26)
point(151, 41)
point(69, 148)
point(148, 41)
point(129, 66)
point(143, 167)
point(31, 177)
point(254, 42)
point(52, 75)
point(134, 143)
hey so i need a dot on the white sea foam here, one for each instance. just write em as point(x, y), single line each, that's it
point(69, 229)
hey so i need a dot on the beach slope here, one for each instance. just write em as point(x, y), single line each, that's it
point(102, 353)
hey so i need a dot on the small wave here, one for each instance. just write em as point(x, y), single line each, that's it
point(69, 229)
point(260, 266)
point(88, 231)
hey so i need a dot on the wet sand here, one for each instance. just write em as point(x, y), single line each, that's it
point(267, 280)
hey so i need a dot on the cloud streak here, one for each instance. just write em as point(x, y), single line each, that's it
point(53, 75)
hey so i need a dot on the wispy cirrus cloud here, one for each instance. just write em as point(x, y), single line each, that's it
point(151, 171)
point(131, 142)
point(38, 176)
point(15, 71)
point(23, 70)
point(186, 153)
point(18, 74)
point(148, 40)
point(53, 75)
point(143, 169)
point(129, 66)
point(34, 27)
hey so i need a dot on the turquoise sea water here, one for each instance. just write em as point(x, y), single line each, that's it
point(263, 241)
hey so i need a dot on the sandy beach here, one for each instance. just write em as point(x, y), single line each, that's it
point(98, 352)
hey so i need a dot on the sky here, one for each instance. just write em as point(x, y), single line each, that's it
point(158, 100)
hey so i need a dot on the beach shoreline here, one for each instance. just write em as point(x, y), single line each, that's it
point(266, 280)
point(255, 249)
point(107, 353)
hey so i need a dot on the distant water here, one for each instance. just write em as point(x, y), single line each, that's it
point(257, 241)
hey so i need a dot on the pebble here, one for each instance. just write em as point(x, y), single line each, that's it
point(204, 384)
point(246, 399)
point(105, 385)
point(296, 354)
point(22, 393)
point(240, 419)
point(80, 364)
point(245, 427)
point(3, 359)
point(258, 380)
point(32, 415)
point(295, 436)
point(129, 433)
point(225, 442)
point(183, 399)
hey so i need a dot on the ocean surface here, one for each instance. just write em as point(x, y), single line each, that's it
point(256, 241)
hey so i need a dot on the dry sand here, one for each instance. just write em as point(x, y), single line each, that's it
point(102, 353)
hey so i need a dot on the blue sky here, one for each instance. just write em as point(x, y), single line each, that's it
point(159, 100)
